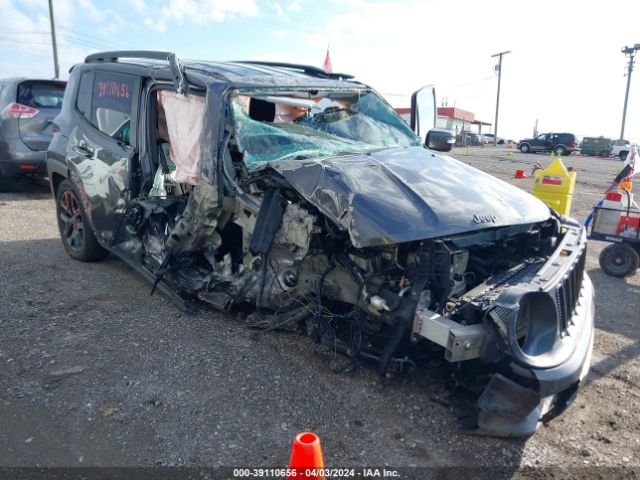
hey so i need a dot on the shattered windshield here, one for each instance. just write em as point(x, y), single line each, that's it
point(275, 127)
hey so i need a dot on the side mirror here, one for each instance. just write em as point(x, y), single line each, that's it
point(423, 110)
point(440, 140)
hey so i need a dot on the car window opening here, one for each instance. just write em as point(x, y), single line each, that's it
point(288, 127)
point(179, 131)
point(41, 94)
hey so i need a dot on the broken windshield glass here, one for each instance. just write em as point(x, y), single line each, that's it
point(276, 127)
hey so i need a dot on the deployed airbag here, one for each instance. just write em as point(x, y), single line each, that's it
point(185, 117)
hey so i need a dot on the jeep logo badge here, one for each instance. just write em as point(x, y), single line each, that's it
point(485, 218)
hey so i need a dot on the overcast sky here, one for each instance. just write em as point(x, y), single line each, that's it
point(565, 69)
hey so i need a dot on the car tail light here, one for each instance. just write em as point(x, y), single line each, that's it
point(613, 196)
point(572, 143)
point(16, 110)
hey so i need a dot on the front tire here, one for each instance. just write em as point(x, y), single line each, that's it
point(561, 151)
point(525, 148)
point(76, 234)
point(619, 260)
point(623, 155)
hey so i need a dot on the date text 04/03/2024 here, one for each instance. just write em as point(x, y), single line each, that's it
point(334, 473)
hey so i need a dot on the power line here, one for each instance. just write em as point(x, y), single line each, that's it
point(16, 42)
point(70, 32)
point(66, 39)
point(86, 43)
point(95, 38)
point(98, 43)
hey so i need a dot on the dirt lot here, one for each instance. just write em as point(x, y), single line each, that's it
point(94, 371)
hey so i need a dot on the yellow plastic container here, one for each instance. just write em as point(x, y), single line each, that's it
point(554, 185)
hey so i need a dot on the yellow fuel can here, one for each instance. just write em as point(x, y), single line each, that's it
point(554, 185)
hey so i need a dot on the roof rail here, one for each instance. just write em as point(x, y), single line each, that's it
point(307, 69)
point(114, 56)
point(175, 65)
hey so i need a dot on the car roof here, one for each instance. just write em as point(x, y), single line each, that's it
point(244, 73)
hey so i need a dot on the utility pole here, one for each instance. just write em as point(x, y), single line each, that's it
point(495, 128)
point(54, 44)
point(631, 52)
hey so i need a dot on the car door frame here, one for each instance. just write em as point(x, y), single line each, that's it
point(553, 141)
point(104, 191)
point(539, 145)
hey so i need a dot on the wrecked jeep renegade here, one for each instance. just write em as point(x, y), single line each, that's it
point(304, 194)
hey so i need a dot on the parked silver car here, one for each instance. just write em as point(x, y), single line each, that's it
point(27, 110)
point(491, 137)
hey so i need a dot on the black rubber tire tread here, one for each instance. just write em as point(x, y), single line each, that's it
point(622, 251)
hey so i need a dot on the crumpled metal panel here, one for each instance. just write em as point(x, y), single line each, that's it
point(213, 134)
point(198, 220)
point(405, 194)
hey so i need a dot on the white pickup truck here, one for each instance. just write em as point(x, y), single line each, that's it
point(620, 148)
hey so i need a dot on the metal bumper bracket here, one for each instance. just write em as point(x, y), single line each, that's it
point(462, 342)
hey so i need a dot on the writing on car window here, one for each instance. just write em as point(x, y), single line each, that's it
point(112, 105)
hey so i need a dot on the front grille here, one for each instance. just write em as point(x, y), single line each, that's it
point(568, 292)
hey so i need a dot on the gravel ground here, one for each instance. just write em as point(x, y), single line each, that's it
point(95, 372)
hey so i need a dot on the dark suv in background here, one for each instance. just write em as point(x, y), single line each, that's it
point(27, 110)
point(560, 143)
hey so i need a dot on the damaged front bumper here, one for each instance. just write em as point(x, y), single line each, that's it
point(536, 339)
point(517, 402)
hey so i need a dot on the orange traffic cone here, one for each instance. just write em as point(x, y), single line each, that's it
point(520, 174)
point(306, 457)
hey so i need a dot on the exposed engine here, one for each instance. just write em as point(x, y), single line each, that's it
point(302, 272)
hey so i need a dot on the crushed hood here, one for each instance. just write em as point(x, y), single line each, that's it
point(405, 194)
